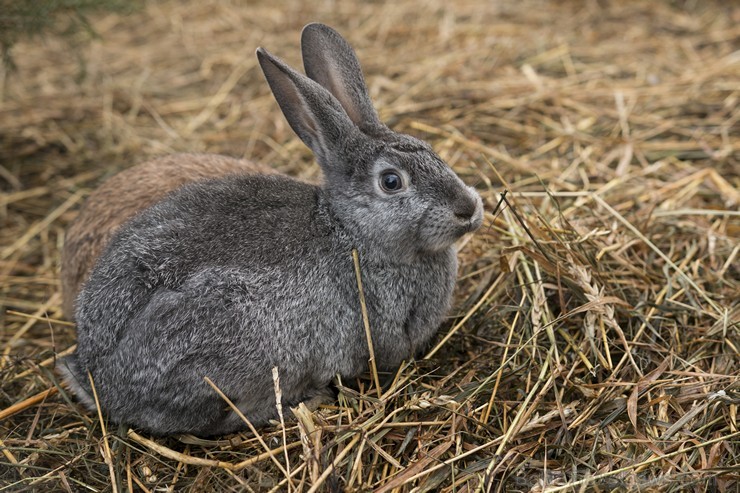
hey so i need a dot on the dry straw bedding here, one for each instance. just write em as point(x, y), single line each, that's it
point(594, 340)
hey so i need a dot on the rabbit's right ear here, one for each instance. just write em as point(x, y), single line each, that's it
point(330, 60)
point(312, 112)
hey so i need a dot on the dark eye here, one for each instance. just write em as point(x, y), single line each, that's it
point(390, 181)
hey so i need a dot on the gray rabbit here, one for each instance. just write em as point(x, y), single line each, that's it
point(230, 277)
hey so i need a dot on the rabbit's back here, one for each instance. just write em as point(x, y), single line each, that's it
point(260, 228)
point(125, 194)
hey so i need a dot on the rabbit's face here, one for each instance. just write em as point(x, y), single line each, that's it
point(407, 201)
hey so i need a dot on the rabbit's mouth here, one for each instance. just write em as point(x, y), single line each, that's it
point(437, 237)
point(473, 224)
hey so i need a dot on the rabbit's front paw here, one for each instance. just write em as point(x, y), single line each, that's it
point(320, 396)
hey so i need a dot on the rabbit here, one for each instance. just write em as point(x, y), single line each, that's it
point(122, 196)
point(231, 277)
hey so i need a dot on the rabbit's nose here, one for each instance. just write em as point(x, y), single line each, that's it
point(465, 209)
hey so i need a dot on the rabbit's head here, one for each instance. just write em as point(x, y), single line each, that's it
point(391, 191)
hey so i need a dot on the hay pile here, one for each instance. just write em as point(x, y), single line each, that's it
point(594, 344)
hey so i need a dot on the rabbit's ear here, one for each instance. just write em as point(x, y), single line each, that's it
point(312, 112)
point(330, 60)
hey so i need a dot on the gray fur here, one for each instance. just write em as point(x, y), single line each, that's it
point(231, 277)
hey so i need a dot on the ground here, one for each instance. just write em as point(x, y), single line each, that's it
point(593, 345)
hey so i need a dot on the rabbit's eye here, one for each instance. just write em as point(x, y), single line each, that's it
point(391, 181)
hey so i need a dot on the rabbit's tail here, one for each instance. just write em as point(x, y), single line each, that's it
point(76, 380)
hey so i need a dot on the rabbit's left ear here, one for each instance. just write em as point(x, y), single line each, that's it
point(312, 112)
point(330, 60)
